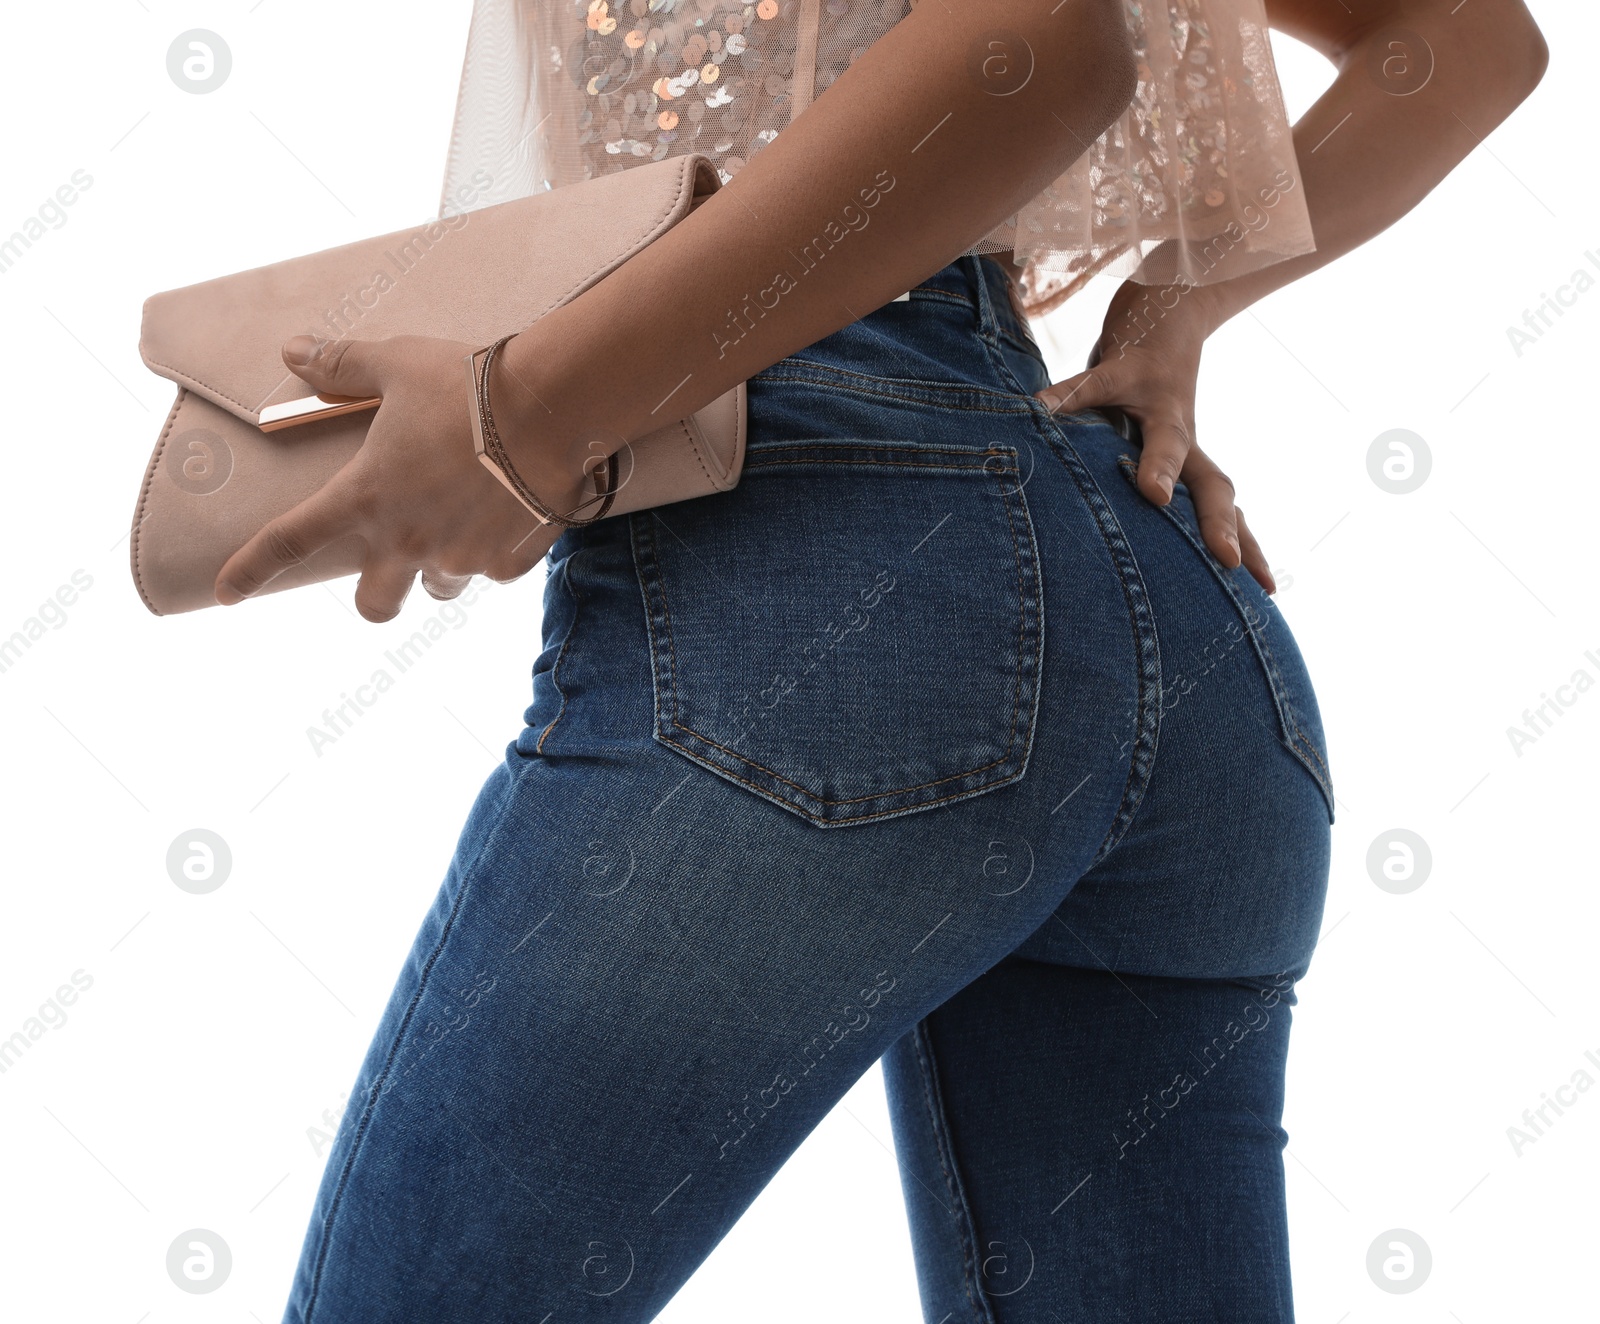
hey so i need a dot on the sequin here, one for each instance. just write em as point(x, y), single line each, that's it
point(1204, 136)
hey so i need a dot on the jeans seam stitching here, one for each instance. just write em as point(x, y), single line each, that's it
point(1146, 641)
point(1275, 682)
point(561, 653)
point(1017, 689)
point(899, 464)
point(966, 1224)
point(705, 762)
point(928, 292)
point(778, 373)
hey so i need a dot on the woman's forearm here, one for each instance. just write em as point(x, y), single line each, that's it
point(947, 125)
point(1400, 116)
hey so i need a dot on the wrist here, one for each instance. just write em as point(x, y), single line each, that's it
point(1148, 315)
point(1211, 307)
point(526, 417)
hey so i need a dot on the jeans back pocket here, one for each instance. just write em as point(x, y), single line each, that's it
point(1299, 720)
point(854, 632)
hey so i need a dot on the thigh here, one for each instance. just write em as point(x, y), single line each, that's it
point(768, 810)
point(1077, 1144)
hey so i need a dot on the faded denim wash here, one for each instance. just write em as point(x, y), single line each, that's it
point(933, 741)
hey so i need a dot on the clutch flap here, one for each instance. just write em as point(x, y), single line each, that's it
point(471, 277)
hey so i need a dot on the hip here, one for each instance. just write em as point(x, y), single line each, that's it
point(927, 589)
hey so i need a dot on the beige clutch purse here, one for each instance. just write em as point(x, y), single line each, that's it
point(217, 476)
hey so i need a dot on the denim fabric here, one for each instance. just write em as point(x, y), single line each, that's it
point(932, 741)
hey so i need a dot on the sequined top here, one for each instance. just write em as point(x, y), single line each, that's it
point(1199, 166)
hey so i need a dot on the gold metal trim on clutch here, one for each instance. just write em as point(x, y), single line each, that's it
point(311, 408)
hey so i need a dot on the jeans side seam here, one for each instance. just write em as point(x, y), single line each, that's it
point(561, 653)
point(374, 1089)
point(939, 1124)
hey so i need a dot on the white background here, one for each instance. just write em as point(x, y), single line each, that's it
point(180, 1089)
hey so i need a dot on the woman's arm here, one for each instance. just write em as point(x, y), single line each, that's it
point(945, 126)
point(1420, 84)
point(1398, 118)
point(949, 123)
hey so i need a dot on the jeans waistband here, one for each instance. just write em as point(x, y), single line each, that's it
point(984, 284)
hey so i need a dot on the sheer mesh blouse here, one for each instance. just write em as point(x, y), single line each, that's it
point(1201, 165)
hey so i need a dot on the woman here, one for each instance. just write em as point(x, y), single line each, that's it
point(962, 733)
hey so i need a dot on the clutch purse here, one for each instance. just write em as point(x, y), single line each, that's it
point(228, 460)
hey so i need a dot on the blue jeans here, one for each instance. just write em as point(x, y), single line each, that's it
point(933, 741)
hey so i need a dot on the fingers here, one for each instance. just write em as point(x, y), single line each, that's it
point(1211, 490)
point(383, 588)
point(287, 541)
point(1255, 560)
point(1097, 386)
point(516, 560)
point(1168, 444)
point(442, 587)
point(338, 367)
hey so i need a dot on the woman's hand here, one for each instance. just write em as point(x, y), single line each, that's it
point(416, 491)
point(1146, 362)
